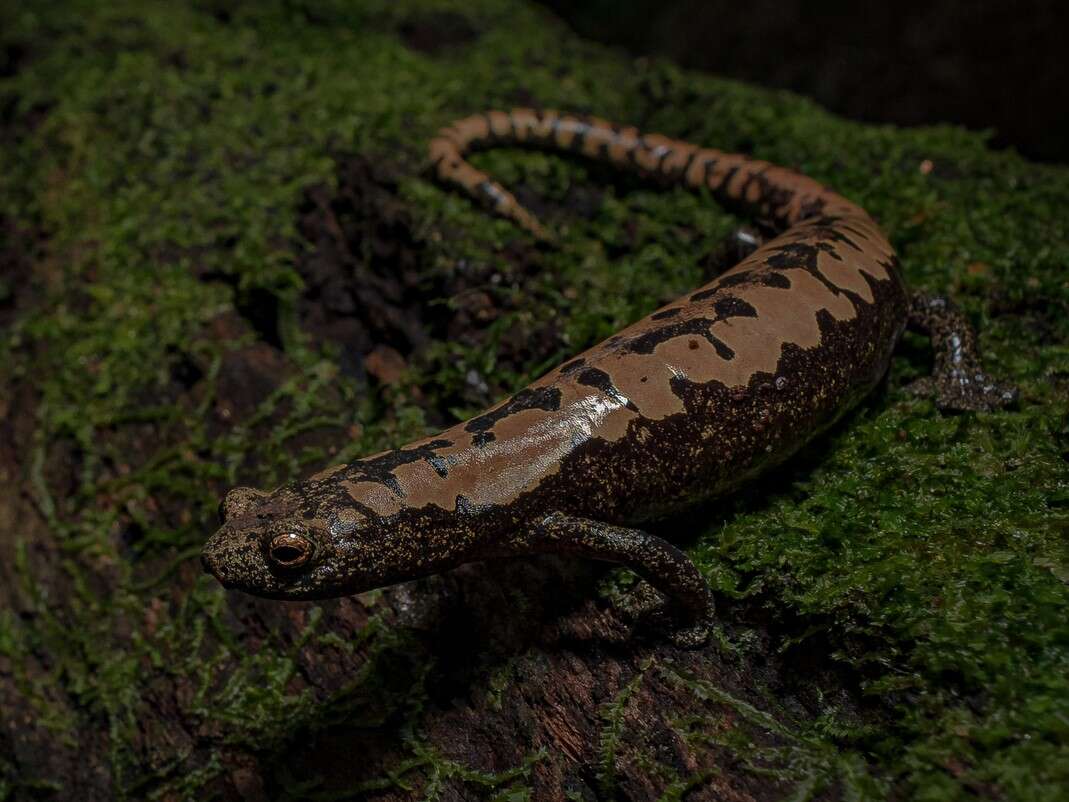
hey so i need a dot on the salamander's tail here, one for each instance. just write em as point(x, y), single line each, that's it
point(774, 194)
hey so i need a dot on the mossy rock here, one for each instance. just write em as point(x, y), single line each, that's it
point(223, 260)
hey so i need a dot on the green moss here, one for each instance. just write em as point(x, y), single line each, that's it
point(612, 713)
point(806, 760)
point(929, 550)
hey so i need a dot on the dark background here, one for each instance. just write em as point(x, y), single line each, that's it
point(987, 64)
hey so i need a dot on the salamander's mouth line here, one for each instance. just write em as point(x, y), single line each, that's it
point(676, 409)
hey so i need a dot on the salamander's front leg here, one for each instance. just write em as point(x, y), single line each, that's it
point(958, 382)
point(655, 560)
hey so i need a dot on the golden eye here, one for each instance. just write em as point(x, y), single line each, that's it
point(290, 550)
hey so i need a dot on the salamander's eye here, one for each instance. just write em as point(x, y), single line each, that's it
point(290, 550)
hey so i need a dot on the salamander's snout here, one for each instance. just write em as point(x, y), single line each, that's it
point(274, 560)
point(215, 563)
point(287, 545)
point(233, 555)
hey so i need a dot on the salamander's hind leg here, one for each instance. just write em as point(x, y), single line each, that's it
point(958, 382)
point(661, 564)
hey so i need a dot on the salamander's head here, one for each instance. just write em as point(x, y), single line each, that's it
point(289, 544)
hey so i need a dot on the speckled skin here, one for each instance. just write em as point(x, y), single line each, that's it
point(681, 407)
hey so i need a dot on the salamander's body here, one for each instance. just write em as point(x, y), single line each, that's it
point(680, 407)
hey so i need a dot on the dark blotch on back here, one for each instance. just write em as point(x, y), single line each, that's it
point(800, 254)
point(727, 305)
point(832, 229)
point(572, 367)
point(730, 306)
point(592, 377)
point(645, 343)
point(547, 398)
point(773, 279)
point(731, 280)
point(704, 295)
point(380, 469)
point(667, 313)
point(811, 208)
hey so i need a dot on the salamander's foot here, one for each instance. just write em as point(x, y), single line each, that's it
point(651, 612)
point(957, 383)
point(691, 636)
point(661, 564)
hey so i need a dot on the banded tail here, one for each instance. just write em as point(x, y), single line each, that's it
point(778, 195)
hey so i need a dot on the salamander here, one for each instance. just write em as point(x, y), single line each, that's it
point(677, 409)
